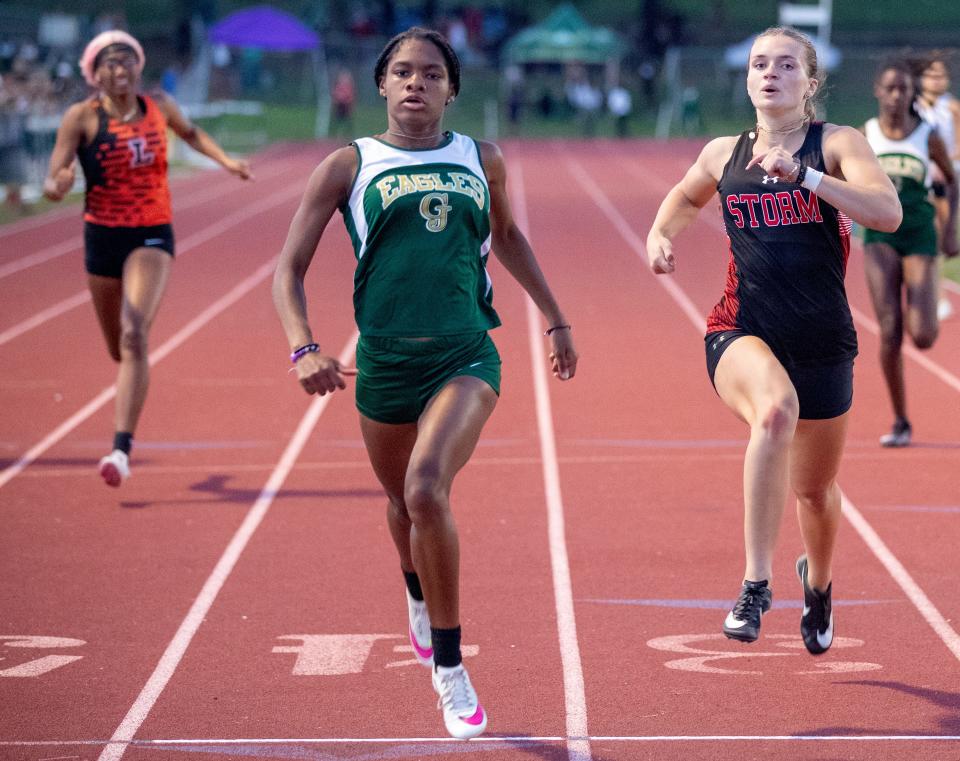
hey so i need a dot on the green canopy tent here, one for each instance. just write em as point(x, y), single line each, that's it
point(564, 37)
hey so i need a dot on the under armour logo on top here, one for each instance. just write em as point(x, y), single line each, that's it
point(767, 178)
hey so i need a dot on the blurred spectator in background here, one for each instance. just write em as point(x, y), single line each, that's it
point(620, 104)
point(344, 97)
point(585, 99)
point(13, 156)
point(169, 79)
point(648, 80)
point(937, 106)
point(516, 94)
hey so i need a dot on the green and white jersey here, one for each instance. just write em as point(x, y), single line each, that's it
point(419, 220)
point(906, 162)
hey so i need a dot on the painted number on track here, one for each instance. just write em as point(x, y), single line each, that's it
point(42, 665)
point(336, 654)
point(702, 659)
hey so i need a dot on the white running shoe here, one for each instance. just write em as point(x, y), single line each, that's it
point(115, 468)
point(944, 308)
point(419, 631)
point(899, 435)
point(462, 712)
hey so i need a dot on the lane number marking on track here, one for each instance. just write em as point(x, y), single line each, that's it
point(702, 658)
point(336, 654)
point(38, 666)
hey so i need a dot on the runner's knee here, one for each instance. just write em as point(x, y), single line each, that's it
point(778, 417)
point(925, 337)
point(133, 339)
point(817, 500)
point(424, 495)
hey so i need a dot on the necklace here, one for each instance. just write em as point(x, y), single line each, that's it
point(785, 130)
point(414, 137)
point(127, 116)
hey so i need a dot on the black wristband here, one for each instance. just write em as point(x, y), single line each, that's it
point(801, 173)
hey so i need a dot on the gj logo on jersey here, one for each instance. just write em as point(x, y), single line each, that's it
point(434, 208)
point(139, 154)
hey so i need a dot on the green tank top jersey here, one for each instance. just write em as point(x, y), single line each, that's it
point(907, 163)
point(419, 221)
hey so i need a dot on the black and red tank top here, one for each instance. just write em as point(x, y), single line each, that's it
point(788, 258)
point(125, 166)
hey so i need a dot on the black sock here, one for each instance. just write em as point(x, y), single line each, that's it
point(446, 647)
point(413, 585)
point(123, 441)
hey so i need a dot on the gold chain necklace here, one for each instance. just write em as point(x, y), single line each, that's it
point(784, 130)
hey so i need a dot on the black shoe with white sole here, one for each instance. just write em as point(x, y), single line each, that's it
point(743, 622)
point(816, 623)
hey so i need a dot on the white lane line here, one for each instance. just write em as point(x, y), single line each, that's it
point(40, 220)
point(573, 687)
point(76, 243)
point(41, 256)
point(950, 285)
point(201, 607)
point(924, 606)
point(189, 244)
point(900, 574)
point(484, 739)
point(240, 290)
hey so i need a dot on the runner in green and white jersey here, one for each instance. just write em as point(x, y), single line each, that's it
point(903, 263)
point(423, 208)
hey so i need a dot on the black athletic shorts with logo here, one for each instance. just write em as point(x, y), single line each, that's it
point(107, 248)
point(824, 391)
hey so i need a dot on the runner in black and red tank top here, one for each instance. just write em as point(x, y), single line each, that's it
point(780, 343)
point(788, 259)
point(120, 139)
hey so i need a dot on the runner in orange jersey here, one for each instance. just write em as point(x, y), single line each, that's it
point(119, 137)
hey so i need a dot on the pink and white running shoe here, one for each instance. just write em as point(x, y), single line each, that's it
point(419, 631)
point(114, 468)
point(463, 715)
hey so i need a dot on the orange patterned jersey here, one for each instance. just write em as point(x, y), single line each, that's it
point(125, 166)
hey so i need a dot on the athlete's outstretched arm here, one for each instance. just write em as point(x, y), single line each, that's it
point(327, 189)
point(684, 202)
point(198, 139)
point(513, 250)
point(63, 160)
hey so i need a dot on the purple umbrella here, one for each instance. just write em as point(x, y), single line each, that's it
point(263, 27)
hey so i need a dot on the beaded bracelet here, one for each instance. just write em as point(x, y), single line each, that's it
point(548, 331)
point(303, 351)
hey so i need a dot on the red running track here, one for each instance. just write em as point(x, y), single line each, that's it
point(240, 597)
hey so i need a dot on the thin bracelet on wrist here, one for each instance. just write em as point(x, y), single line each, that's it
point(550, 330)
point(302, 351)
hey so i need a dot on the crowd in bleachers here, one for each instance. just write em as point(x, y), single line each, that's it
point(36, 85)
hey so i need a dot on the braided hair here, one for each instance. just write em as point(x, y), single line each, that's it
point(419, 33)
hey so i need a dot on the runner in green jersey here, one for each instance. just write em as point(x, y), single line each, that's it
point(904, 262)
point(423, 208)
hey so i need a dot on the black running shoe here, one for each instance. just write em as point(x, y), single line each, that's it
point(816, 623)
point(743, 622)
